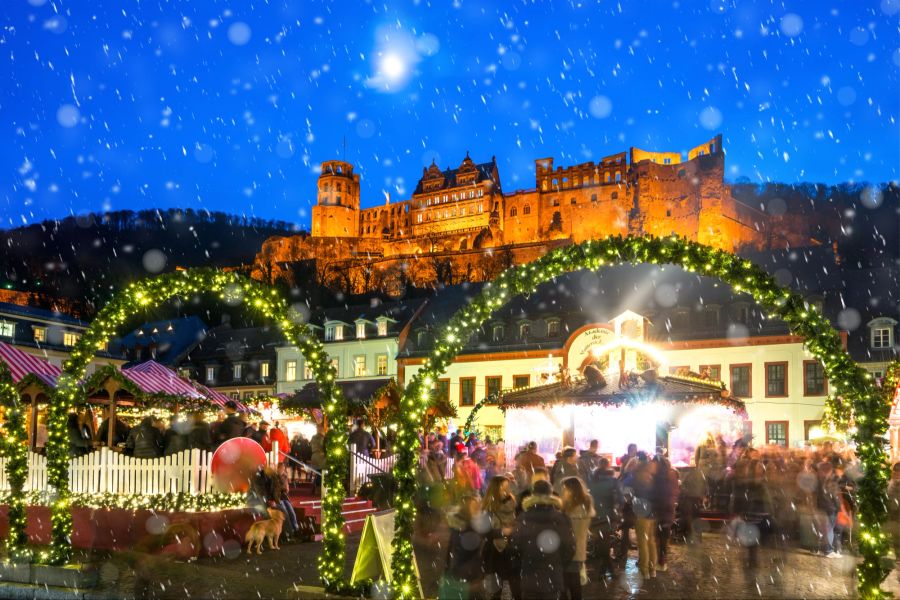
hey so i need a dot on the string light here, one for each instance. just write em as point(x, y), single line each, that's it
point(15, 449)
point(230, 287)
point(821, 340)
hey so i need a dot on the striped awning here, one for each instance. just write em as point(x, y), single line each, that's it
point(21, 363)
point(153, 378)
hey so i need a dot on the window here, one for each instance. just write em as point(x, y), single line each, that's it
point(235, 395)
point(618, 177)
point(329, 333)
point(70, 338)
point(382, 327)
point(524, 331)
point(713, 372)
point(812, 429)
point(184, 372)
point(40, 334)
point(776, 379)
point(742, 314)
point(667, 161)
point(338, 332)
point(493, 385)
point(556, 202)
point(711, 316)
point(607, 177)
point(336, 363)
point(668, 212)
point(813, 378)
point(419, 217)
point(552, 328)
point(307, 371)
point(526, 210)
point(359, 366)
point(381, 364)
point(236, 372)
point(421, 338)
point(467, 391)
point(572, 201)
point(521, 381)
point(210, 373)
point(248, 395)
point(513, 211)
point(881, 337)
point(442, 390)
point(7, 329)
point(740, 381)
point(593, 197)
point(360, 331)
point(498, 333)
point(290, 370)
point(777, 433)
point(263, 369)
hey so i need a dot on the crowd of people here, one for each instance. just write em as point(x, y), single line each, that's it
point(536, 527)
point(152, 437)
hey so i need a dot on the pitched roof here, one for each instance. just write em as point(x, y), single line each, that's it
point(484, 171)
point(22, 363)
point(40, 313)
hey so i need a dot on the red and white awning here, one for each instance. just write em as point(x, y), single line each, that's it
point(22, 363)
point(154, 378)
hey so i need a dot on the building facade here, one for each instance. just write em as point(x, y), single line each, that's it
point(49, 335)
point(464, 215)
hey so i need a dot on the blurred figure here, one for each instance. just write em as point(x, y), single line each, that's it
point(589, 460)
point(284, 445)
point(578, 505)
point(751, 503)
point(317, 457)
point(466, 475)
point(566, 467)
point(361, 441)
point(893, 506)
point(79, 444)
point(531, 460)
point(120, 430)
point(545, 543)
point(539, 474)
point(828, 504)
point(282, 496)
point(643, 489)
point(665, 496)
point(499, 505)
point(175, 436)
point(200, 435)
point(436, 464)
point(607, 496)
point(145, 440)
point(464, 576)
point(693, 491)
point(232, 425)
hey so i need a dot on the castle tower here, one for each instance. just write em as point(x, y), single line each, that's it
point(336, 213)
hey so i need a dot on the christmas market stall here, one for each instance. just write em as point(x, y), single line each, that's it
point(673, 412)
point(35, 379)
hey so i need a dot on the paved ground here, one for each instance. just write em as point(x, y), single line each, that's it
point(714, 570)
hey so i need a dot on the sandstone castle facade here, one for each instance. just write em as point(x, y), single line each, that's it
point(460, 225)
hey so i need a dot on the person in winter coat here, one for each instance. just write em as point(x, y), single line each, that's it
point(588, 461)
point(120, 433)
point(233, 426)
point(606, 493)
point(200, 436)
point(642, 485)
point(284, 445)
point(436, 464)
point(539, 474)
point(464, 576)
point(750, 502)
point(828, 504)
point(665, 497)
point(499, 505)
point(317, 459)
point(145, 440)
point(79, 444)
point(466, 475)
point(578, 505)
point(693, 491)
point(175, 437)
point(360, 440)
point(544, 542)
point(566, 466)
point(531, 460)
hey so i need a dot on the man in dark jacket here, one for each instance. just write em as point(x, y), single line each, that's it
point(120, 433)
point(588, 461)
point(232, 426)
point(544, 542)
point(608, 500)
point(360, 440)
point(200, 436)
point(145, 440)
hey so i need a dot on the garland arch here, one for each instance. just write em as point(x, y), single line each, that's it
point(15, 449)
point(470, 420)
point(854, 383)
point(233, 288)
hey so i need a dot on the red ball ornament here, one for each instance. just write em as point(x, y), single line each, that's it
point(234, 463)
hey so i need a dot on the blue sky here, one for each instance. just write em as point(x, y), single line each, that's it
point(117, 104)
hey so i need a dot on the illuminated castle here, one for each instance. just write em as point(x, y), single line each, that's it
point(461, 213)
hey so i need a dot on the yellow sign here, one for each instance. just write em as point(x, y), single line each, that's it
point(373, 559)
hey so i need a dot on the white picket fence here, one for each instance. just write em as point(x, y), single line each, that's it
point(361, 467)
point(106, 471)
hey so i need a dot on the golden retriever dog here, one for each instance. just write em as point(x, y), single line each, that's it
point(269, 529)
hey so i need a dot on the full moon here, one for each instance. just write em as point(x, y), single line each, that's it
point(393, 66)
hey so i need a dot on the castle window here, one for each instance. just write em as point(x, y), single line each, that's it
point(445, 197)
point(701, 153)
point(607, 177)
point(480, 193)
point(337, 199)
point(513, 212)
point(556, 202)
point(573, 201)
point(618, 177)
point(463, 211)
point(526, 210)
point(481, 207)
point(420, 217)
point(337, 187)
point(667, 161)
point(668, 212)
point(593, 197)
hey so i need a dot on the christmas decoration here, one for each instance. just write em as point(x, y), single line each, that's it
point(852, 383)
point(15, 448)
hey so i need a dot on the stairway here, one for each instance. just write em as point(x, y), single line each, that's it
point(354, 510)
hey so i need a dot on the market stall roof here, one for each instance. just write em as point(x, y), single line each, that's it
point(357, 392)
point(22, 364)
point(637, 389)
point(153, 378)
point(219, 399)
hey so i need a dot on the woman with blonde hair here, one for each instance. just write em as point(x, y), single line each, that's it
point(499, 505)
point(578, 505)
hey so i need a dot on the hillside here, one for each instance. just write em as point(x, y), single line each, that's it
point(83, 258)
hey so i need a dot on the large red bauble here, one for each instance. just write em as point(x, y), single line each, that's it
point(235, 462)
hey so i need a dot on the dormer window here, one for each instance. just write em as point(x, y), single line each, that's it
point(329, 333)
point(524, 331)
point(40, 334)
point(382, 327)
point(498, 332)
point(7, 329)
point(552, 328)
point(881, 333)
point(422, 338)
point(360, 331)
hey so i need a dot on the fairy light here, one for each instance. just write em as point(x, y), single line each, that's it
point(15, 448)
point(266, 302)
point(857, 392)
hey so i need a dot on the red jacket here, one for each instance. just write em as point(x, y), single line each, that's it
point(284, 445)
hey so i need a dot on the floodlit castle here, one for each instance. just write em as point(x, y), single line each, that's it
point(462, 215)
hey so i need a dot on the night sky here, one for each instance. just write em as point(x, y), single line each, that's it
point(120, 104)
